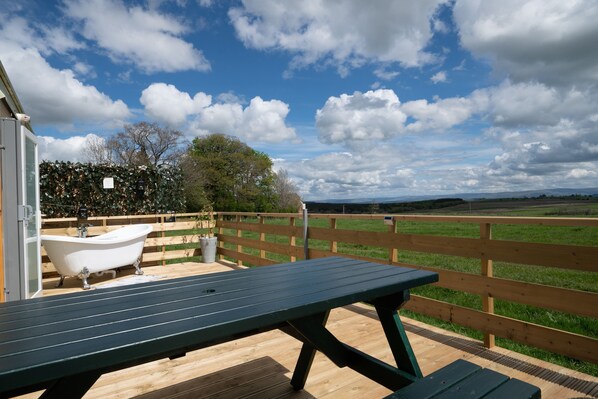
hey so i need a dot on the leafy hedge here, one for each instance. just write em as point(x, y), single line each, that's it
point(65, 186)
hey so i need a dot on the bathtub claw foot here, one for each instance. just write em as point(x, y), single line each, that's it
point(83, 276)
point(138, 270)
point(60, 282)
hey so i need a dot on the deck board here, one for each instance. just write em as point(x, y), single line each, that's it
point(261, 366)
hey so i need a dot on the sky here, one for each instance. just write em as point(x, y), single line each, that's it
point(354, 99)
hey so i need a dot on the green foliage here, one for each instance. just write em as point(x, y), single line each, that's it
point(65, 186)
point(233, 176)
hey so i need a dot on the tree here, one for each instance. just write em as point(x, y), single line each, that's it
point(139, 144)
point(286, 192)
point(96, 151)
point(234, 176)
point(195, 194)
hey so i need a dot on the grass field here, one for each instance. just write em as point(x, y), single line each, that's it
point(586, 281)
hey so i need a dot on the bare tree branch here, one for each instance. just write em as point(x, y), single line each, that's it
point(286, 191)
point(96, 151)
point(141, 143)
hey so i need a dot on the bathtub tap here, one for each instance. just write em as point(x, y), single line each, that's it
point(82, 230)
point(74, 256)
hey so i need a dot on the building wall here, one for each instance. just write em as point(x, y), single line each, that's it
point(9, 106)
point(4, 112)
point(2, 283)
point(4, 109)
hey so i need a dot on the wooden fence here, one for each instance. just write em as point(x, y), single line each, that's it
point(265, 239)
point(242, 237)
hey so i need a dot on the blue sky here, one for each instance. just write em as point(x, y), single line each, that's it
point(353, 99)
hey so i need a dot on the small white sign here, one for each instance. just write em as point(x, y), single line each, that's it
point(388, 220)
point(108, 182)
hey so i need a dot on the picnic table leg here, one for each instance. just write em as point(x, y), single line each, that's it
point(394, 330)
point(310, 330)
point(71, 387)
point(306, 358)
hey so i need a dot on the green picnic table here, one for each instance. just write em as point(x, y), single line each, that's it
point(63, 344)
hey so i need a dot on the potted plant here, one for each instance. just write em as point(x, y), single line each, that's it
point(207, 242)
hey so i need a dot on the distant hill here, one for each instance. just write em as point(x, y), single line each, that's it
point(551, 192)
point(478, 202)
point(387, 207)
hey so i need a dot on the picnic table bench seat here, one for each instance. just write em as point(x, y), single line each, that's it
point(463, 379)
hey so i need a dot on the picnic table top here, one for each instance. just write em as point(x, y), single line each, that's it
point(45, 339)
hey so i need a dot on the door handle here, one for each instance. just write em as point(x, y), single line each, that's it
point(24, 213)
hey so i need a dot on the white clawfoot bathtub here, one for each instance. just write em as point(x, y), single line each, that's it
point(73, 256)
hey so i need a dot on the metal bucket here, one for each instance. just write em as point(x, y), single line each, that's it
point(208, 249)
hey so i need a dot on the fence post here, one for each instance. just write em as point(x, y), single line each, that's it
point(221, 233)
point(393, 253)
point(292, 238)
point(333, 244)
point(305, 238)
point(262, 237)
point(163, 235)
point(487, 300)
point(239, 234)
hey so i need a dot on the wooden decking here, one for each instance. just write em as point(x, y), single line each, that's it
point(261, 366)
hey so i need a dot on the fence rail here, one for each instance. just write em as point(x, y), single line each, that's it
point(265, 239)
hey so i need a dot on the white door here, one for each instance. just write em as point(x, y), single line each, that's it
point(31, 215)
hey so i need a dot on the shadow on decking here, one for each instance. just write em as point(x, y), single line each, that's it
point(259, 378)
point(477, 349)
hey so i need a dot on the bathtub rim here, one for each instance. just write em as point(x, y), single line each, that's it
point(99, 239)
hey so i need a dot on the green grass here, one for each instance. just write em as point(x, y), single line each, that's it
point(572, 279)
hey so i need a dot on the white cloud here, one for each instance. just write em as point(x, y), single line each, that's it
point(345, 34)
point(533, 103)
point(59, 40)
point(440, 26)
point(146, 38)
point(46, 40)
point(439, 115)
point(386, 74)
point(552, 41)
point(53, 96)
point(439, 77)
point(374, 115)
point(231, 97)
point(166, 103)
point(544, 136)
point(379, 115)
point(154, 4)
point(346, 174)
point(548, 154)
point(260, 120)
point(541, 118)
point(220, 118)
point(511, 104)
point(564, 155)
point(581, 173)
point(56, 149)
point(542, 114)
point(84, 70)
